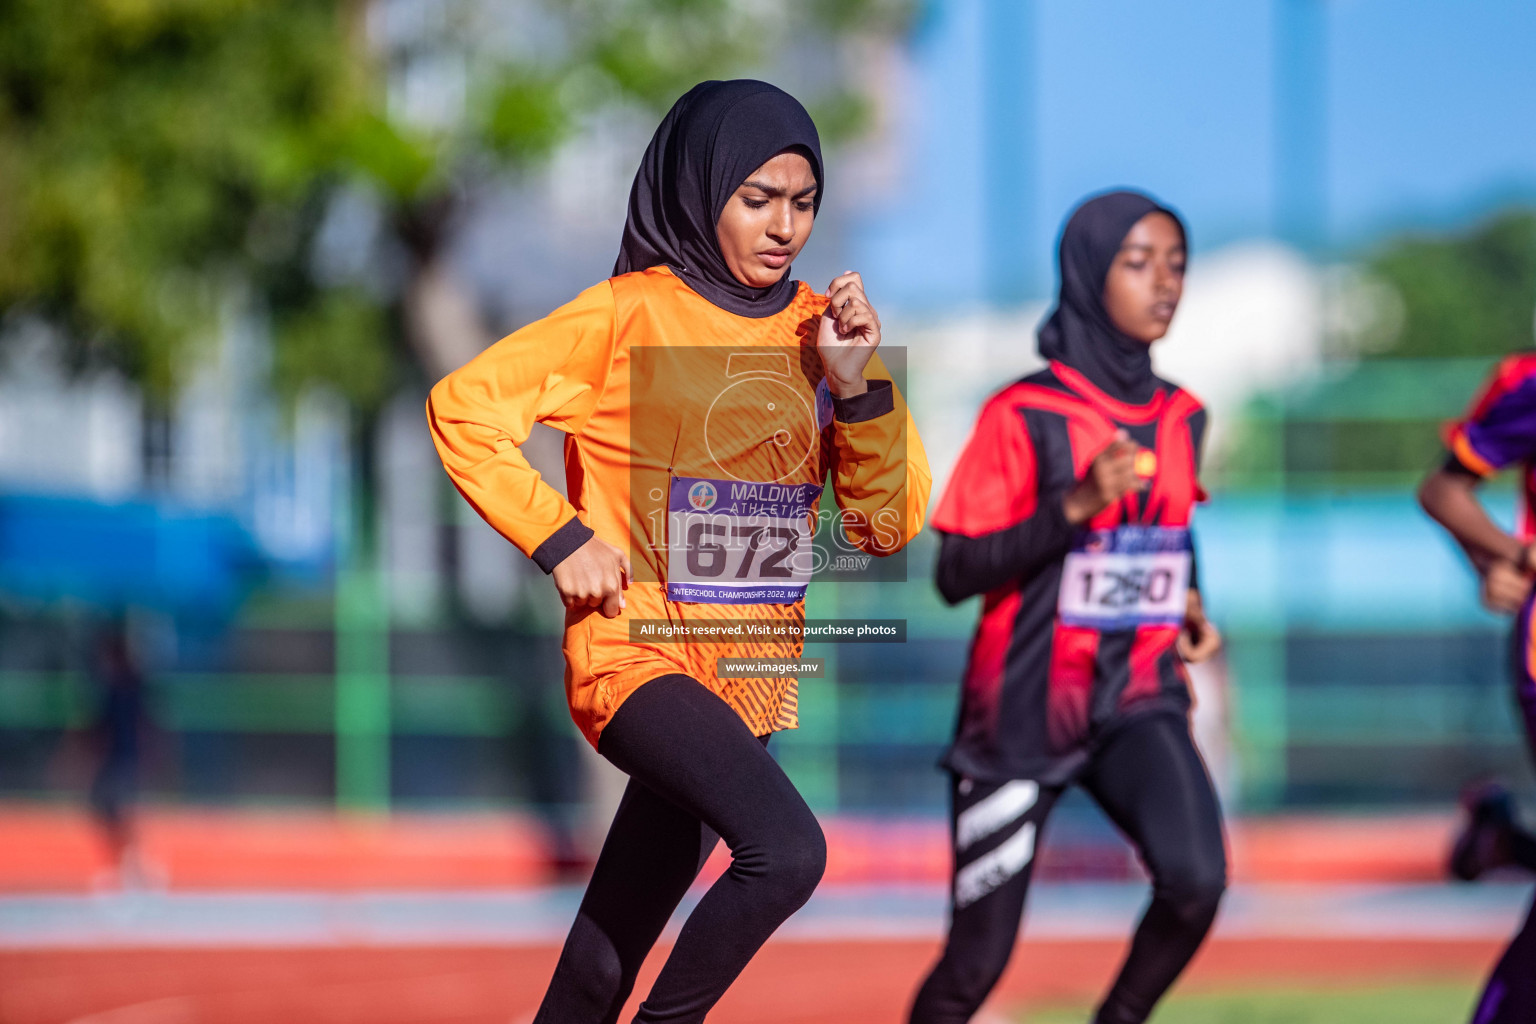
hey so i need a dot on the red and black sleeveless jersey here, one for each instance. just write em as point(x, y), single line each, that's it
point(1078, 624)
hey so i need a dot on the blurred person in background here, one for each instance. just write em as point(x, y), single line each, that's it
point(1498, 431)
point(1070, 511)
point(671, 454)
point(118, 733)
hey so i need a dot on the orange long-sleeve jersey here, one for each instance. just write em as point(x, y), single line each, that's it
point(699, 441)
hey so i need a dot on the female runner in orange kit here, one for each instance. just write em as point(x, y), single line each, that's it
point(707, 398)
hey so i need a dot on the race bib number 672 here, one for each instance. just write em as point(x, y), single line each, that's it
point(1126, 577)
point(736, 542)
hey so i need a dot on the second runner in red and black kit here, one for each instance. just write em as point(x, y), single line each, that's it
point(1070, 512)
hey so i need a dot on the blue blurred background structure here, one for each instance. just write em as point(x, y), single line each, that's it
point(188, 564)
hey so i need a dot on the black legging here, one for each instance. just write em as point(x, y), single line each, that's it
point(696, 773)
point(1510, 995)
point(1151, 782)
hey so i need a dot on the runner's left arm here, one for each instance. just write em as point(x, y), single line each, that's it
point(1198, 424)
point(880, 475)
point(1198, 639)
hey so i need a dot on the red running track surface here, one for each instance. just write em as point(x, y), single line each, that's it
point(789, 983)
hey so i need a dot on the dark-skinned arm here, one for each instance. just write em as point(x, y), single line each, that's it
point(1449, 496)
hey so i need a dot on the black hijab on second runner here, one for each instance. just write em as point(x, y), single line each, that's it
point(709, 142)
point(1079, 331)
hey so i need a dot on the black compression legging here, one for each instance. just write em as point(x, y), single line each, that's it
point(696, 773)
point(1151, 782)
point(1510, 995)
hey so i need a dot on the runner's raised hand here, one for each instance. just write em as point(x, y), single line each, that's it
point(848, 335)
point(1110, 477)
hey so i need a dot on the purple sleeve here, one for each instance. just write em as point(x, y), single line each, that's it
point(1501, 429)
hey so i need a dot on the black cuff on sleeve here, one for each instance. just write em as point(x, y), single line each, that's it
point(872, 404)
point(1454, 465)
point(560, 544)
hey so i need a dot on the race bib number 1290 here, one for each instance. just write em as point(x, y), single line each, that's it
point(1126, 577)
point(735, 542)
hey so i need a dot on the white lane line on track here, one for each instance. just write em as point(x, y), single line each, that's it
point(523, 918)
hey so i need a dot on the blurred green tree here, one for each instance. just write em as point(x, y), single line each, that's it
point(1468, 295)
point(1465, 295)
point(160, 159)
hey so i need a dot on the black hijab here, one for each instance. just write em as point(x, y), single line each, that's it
point(1079, 332)
point(706, 146)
